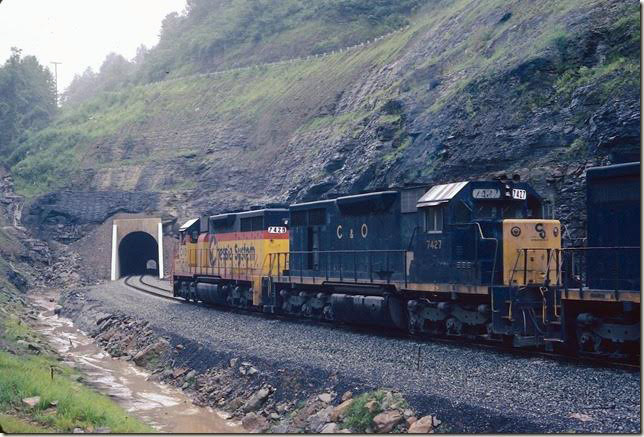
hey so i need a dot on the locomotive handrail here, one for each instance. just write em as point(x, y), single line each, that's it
point(276, 256)
point(496, 248)
point(580, 256)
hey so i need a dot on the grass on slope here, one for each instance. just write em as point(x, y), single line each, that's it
point(77, 406)
point(15, 425)
point(24, 375)
point(48, 159)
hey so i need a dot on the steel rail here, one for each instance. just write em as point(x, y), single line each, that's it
point(163, 295)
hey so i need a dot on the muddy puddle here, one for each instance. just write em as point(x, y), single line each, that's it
point(163, 407)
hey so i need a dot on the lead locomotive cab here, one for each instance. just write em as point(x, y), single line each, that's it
point(460, 229)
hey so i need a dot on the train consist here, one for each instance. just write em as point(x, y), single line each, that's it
point(474, 259)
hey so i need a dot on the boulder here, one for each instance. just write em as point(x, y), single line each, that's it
point(325, 397)
point(339, 412)
point(329, 428)
point(385, 421)
point(178, 372)
point(410, 420)
point(315, 422)
point(254, 423)
point(346, 396)
point(256, 400)
point(32, 401)
point(233, 362)
point(422, 426)
point(152, 353)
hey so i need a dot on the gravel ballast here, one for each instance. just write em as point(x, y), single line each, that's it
point(470, 388)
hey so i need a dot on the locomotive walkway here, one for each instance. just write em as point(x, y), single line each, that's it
point(471, 388)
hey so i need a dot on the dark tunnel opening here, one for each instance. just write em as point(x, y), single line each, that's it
point(138, 254)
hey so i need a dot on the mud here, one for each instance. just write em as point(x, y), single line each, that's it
point(163, 407)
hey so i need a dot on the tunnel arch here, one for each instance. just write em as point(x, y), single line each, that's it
point(135, 251)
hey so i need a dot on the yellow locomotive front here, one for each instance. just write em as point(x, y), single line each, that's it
point(531, 249)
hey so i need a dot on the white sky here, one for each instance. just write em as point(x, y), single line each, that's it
point(80, 33)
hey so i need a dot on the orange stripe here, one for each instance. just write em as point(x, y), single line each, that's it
point(251, 235)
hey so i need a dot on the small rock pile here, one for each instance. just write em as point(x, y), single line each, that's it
point(131, 339)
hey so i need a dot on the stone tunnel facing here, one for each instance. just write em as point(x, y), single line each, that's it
point(138, 255)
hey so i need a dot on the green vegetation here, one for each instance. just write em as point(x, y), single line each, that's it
point(76, 405)
point(612, 77)
point(15, 425)
point(577, 149)
point(358, 417)
point(211, 36)
point(27, 97)
point(53, 157)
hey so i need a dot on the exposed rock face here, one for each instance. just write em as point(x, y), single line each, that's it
point(68, 215)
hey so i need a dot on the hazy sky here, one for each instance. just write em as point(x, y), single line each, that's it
point(80, 33)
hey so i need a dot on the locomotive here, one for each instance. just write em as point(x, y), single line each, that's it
point(473, 259)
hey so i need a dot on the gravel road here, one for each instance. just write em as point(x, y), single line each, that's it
point(471, 389)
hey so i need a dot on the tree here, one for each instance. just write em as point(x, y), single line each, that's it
point(81, 88)
point(27, 97)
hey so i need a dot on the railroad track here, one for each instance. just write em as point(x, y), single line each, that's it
point(491, 346)
point(162, 293)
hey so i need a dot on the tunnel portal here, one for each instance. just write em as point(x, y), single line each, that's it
point(137, 247)
point(135, 252)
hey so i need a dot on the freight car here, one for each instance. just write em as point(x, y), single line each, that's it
point(474, 259)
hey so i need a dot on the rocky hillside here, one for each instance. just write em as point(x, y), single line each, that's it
point(467, 89)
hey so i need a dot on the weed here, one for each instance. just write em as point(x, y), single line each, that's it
point(358, 417)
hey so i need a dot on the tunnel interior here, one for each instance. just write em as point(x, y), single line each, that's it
point(138, 254)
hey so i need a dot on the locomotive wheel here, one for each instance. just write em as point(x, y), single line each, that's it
point(589, 342)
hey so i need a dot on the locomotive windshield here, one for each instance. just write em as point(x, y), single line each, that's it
point(495, 210)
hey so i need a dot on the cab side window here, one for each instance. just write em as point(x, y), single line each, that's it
point(434, 219)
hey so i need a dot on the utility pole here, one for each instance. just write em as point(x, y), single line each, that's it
point(56, 64)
